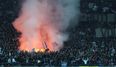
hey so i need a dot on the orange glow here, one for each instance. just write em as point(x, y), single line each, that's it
point(44, 37)
point(39, 50)
point(42, 50)
point(38, 27)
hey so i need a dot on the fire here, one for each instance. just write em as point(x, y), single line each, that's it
point(40, 50)
point(37, 50)
point(40, 25)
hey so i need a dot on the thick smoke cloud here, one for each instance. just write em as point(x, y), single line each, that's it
point(41, 23)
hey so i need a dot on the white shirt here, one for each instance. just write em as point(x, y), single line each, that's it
point(85, 61)
point(13, 60)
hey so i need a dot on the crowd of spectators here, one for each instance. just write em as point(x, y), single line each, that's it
point(82, 47)
point(78, 50)
point(99, 6)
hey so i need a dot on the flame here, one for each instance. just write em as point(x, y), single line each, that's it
point(39, 24)
point(39, 38)
point(40, 50)
point(37, 50)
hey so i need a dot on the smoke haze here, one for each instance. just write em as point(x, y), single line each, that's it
point(41, 23)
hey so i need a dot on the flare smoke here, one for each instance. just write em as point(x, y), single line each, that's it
point(43, 21)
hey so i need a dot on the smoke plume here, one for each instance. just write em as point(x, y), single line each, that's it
point(43, 22)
